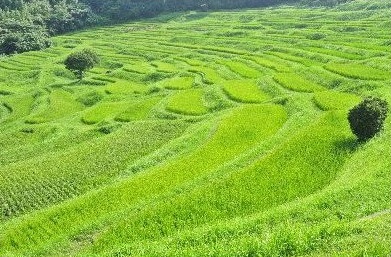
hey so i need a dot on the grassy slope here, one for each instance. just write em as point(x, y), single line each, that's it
point(216, 135)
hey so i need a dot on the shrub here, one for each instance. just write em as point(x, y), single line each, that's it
point(81, 61)
point(367, 118)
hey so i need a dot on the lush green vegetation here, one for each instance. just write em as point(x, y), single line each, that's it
point(245, 91)
point(367, 118)
point(200, 134)
point(27, 25)
point(188, 102)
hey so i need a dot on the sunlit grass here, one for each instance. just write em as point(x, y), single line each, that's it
point(126, 87)
point(333, 100)
point(296, 83)
point(189, 102)
point(178, 83)
point(357, 71)
point(104, 111)
point(171, 146)
point(60, 104)
point(138, 111)
point(246, 91)
point(242, 69)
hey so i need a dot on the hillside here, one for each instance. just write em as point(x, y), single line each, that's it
point(200, 134)
point(27, 25)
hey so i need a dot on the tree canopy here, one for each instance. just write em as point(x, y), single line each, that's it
point(367, 118)
point(81, 61)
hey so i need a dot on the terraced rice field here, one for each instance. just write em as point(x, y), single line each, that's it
point(200, 134)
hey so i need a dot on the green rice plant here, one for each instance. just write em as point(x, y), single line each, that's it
point(296, 83)
point(32, 141)
point(352, 230)
point(92, 82)
point(91, 98)
point(104, 79)
point(4, 92)
point(242, 69)
point(188, 102)
point(155, 77)
point(316, 36)
point(237, 132)
point(4, 112)
point(191, 61)
point(246, 91)
point(209, 75)
point(244, 180)
point(334, 100)
point(17, 62)
point(357, 71)
point(7, 66)
point(164, 67)
point(56, 176)
point(332, 52)
point(103, 111)
point(126, 87)
point(138, 110)
point(270, 181)
point(20, 106)
point(61, 104)
point(178, 83)
point(16, 140)
point(98, 70)
point(270, 64)
point(139, 67)
point(292, 58)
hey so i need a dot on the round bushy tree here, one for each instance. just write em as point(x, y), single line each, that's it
point(81, 61)
point(367, 118)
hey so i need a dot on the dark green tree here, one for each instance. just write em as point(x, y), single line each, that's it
point(17, 37)
point(367, 118)
point(81, 61)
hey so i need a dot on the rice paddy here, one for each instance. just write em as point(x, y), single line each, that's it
point(221, 134)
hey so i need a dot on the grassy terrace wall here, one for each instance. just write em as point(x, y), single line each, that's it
point(200, 134)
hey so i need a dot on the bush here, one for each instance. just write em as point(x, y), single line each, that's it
point(367, 118)
point(81, 61)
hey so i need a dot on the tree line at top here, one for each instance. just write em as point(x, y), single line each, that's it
point(27, 25)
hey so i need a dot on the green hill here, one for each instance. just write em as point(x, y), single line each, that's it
point(200, 134)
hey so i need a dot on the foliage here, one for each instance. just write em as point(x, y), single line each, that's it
point(26, 25)
point(367, 118)
point(59, 16)
point(81, 61)
point(16, 37)
point(102, 167)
